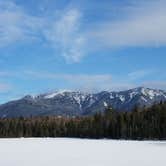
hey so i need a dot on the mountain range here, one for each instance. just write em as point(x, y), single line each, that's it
point(76, 103)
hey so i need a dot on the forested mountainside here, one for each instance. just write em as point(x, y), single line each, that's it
point(70, 103)
point(144, 123)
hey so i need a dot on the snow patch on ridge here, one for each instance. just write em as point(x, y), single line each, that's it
point(111, 96)
point(52, 95)
point(143, 98)
point(122, 98)
point(105, 104)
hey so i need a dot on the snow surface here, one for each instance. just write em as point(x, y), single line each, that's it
point(105, 104)
point(111, 96)
point(143, 98)
point(52, 95)
point(80, 152)
point(122, 98)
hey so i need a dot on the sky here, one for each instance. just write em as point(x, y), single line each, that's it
point(86, 45)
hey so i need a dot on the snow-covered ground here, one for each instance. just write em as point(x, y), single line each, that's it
point(80, 152)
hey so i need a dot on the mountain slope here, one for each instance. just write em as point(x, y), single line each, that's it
point(69, 103)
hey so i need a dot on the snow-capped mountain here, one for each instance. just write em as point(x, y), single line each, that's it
point(70, 103)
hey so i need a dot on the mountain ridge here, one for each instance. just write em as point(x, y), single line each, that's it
point(77, 103)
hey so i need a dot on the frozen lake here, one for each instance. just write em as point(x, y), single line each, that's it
point(80, 152)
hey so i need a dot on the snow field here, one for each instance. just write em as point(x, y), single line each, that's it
point(81, 152)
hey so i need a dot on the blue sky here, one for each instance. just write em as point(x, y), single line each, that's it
point(85, 45)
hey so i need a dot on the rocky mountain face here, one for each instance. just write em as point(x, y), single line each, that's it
point(69, 103)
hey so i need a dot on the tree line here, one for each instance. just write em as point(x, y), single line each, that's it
point(141, 123)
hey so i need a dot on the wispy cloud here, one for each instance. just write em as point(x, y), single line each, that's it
point(139, 74)
point(75, 81)
point(83, 82)
point(90, 82)
point(61, 31)
point(155, 84)
point(65, 34)
point(66, 31)
point(16, 25)
point(4, 87)
point(5, 73)
point(143, 25)
point(99, 82)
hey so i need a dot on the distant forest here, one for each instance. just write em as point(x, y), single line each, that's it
point(141, 123)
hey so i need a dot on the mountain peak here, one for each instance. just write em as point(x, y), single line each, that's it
point(77, 103)
point(53, 94)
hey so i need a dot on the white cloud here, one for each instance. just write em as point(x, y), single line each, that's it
point(143, 25)
point(85, 82)
point(5, 87)
point(61, 31)
point(155, 84)
point(5, 73)
point(66, 34)
point(88, 82)
point(16, 25)
point(98, 82)
point(136, 75)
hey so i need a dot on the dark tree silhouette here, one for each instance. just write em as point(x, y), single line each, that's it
point(141, 123)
